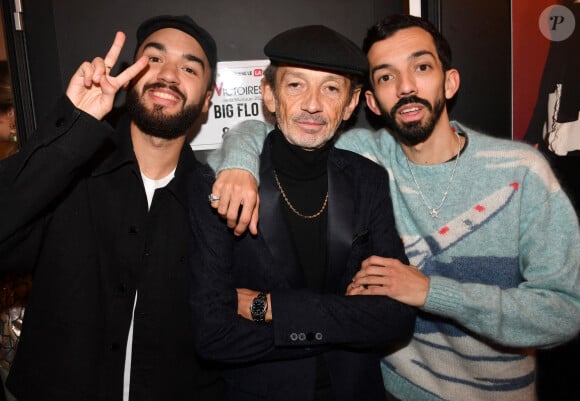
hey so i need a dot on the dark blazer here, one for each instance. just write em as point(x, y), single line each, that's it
point(275, 361)
point(74, 211)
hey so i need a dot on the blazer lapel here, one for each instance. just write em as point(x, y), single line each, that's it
point(340, 219)
point(272, 226)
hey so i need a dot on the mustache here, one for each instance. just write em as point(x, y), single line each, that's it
point(409, 100)
point(306, 117)
point(161, 85)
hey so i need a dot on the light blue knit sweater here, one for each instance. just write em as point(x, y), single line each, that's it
point(503, 258)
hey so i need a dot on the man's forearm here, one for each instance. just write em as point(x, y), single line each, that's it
point(241, 148)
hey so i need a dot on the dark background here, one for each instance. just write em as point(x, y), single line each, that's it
point(60, 34)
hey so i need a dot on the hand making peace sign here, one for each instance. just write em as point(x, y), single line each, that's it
point(92, 89)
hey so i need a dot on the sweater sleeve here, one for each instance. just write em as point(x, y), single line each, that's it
point(369, 144)
point(241, 148)
point(544, 309)
point(243, 143)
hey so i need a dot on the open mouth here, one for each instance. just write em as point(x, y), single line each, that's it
point(411, 113)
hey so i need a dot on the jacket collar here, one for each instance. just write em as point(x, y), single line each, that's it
point(340, 218)
point(119, 152)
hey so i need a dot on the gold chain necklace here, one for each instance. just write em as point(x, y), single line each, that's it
point(296, 212)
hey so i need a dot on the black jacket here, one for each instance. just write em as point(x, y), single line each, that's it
point(75, 212)
point(276, 361)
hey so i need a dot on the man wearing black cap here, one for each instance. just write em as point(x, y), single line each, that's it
point(296, 336)
point(100, 216)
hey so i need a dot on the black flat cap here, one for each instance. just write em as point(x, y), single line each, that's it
point(316, 46)
point(184, 24)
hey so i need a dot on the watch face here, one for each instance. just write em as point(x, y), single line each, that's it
point(259, 307)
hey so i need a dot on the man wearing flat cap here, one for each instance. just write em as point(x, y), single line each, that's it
point(273, 305)
point(100, 215)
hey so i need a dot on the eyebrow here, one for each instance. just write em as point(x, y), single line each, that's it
point(414, 55)
point(330, 75)
point(188, 57)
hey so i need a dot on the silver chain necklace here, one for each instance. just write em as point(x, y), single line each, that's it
point(434, 211)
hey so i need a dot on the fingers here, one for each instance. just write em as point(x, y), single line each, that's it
point(87, 73)
point(373, 275)
point(91, 72)
point(248, 215)
point(231, 208)
point(254, 221)
point(404, 283)
point(238, 200)
point(114, 52)
point(102, 66)
point(131, 72)
point(377, 261)
point(354, 289)
point(368, 277)
point(92, 89)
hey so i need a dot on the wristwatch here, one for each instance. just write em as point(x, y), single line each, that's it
point(259, 307)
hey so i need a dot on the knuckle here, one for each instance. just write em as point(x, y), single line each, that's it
point(243, 220)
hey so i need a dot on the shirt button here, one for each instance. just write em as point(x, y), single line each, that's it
point(115, 347)
point(123, 288)
point(293, 336)
point(310, 336)
point(133, 230)
point(318, 336)
point(302, 336)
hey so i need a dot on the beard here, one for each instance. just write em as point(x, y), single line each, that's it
point(414, 132)
point(154, 122)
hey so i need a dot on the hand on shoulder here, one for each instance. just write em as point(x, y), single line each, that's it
point(238, 201)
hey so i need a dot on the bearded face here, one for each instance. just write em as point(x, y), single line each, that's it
point(414, 132)
point(155, 121)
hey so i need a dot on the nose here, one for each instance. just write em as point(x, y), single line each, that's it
point(406, 85)
point(168, 73)
point(311, 101)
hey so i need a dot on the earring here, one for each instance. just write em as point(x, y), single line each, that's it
point(13, 134)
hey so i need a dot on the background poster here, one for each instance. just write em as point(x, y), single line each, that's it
point(236, 97)
point(536, 26)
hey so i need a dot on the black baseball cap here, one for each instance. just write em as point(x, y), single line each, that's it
point(185, 24)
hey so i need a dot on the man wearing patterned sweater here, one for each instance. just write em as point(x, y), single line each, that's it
point(491, 237)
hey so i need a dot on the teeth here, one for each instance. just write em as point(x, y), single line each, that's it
point(410, 110)
point(164, 95)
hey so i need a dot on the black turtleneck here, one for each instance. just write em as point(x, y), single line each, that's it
point(303, 177)
point(302, 174)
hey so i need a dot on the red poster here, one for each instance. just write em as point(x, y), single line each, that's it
point(540, 30)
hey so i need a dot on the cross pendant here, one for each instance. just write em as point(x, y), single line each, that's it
point(434, 213)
